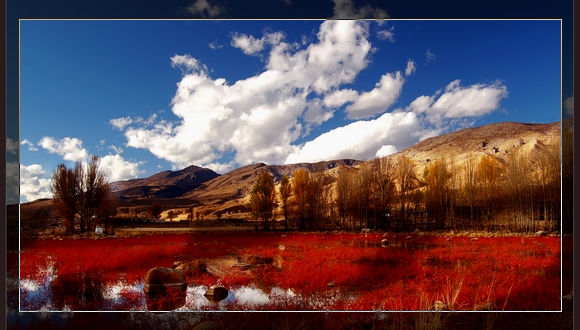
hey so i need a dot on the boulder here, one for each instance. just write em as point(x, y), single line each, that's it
point(540, 233)
point(161, 279)
point(165, 289)
point(440, 306)
point(216, 293)
point(385, 243)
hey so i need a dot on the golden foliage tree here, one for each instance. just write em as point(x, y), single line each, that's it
point(263, 198)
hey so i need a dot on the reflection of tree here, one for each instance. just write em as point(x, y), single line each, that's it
point(78, 291)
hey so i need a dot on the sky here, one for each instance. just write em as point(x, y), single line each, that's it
point(153, 95)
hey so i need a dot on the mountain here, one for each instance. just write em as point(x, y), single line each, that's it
point(166, 184)
point(208, 191)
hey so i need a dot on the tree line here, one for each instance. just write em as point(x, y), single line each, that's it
point(485, 192)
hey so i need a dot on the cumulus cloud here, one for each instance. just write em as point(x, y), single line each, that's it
point(119, 168)
point(410, 68)
point(569, 105)
point(345, 9)
point(378, 100)
point(252, 46)
point(386, 150)
point(202, 8)
point(34, 183)
point(257, 119)
point(473, 101)
point(362, 139)
point(121, 123)
point(11, 146)
point(70, 148)
point(386, 35)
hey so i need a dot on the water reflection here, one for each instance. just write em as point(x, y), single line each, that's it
point(47, 294)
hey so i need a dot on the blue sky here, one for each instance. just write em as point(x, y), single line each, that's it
point(148, 96)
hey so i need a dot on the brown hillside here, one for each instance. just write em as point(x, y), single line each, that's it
point(208, 191)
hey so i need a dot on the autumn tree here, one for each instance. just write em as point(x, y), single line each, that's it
point(285, 193)
point(344, 195)
point(302, 198)
point(488, 173)
point(382, 185)
point(155, 210)
point(471, 188)
point(320, 195)
point(406, 182)
point(171, 215)
point(518, 188)
point(263, 198)
point(438, 197)
point(81, 193)
point(545, 164)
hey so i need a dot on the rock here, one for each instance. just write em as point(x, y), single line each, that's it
point(216, 293)
point(160, 279)
point(474, 239)
point(281, 247)
point(440, 306)
point(386, 235)
point(195, 267)
point(365, 231)
point(165, 289)
point(385, 243)
point(331, 284)
point(409, 237)
point(540, 233)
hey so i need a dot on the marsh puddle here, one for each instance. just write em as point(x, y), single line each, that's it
point(47, 295)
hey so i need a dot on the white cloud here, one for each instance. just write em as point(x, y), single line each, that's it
point(257, 119)
point(215, 45)
point(473, 101)
point(378, 100)
point(70, 148)
point(386, 150)
point(340, 97)
point(430, 56)
point(188, 63)
point(31, 146)
point(119, 168)
point(202, 8)
point(121, 123)
point(569, 105)
point(252, 46)
point(386, 35)
point(11, 146)
point(116, 149)
point(344, 9)
point(362, 139)
point(410, 68)
point(34, 183)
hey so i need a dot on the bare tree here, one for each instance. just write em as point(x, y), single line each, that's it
point(83, 194)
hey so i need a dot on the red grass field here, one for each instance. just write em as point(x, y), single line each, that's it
point(338, 271)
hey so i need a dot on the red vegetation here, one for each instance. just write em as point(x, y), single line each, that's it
point(511, 273)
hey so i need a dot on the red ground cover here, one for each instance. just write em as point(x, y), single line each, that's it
point(511, 273)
